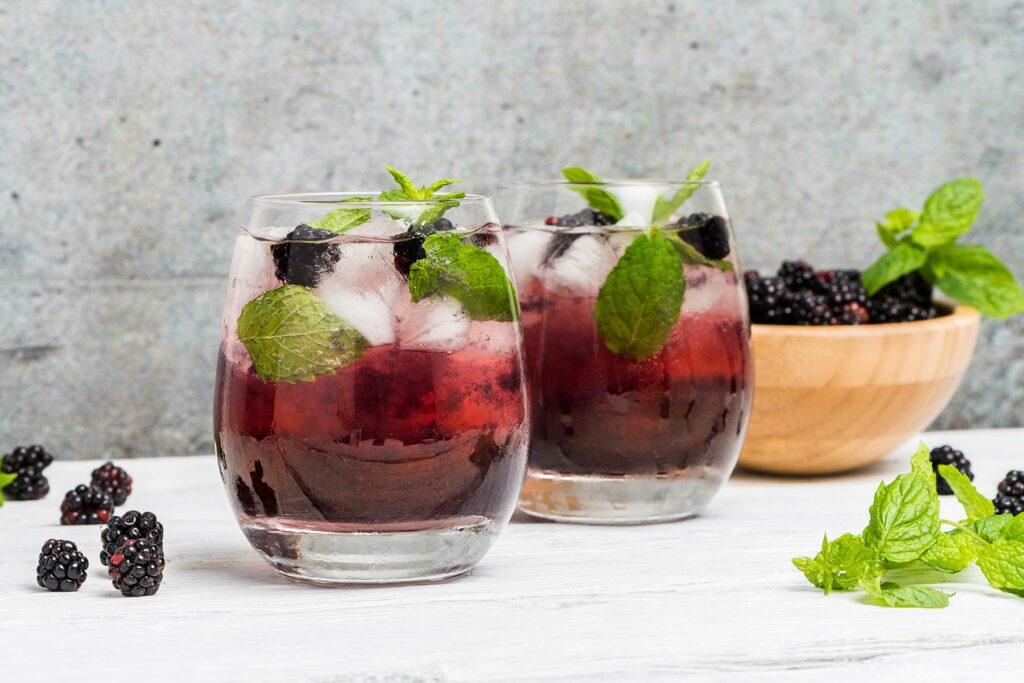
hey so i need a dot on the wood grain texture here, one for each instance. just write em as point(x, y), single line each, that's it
point(713, 598)
point(833, 399)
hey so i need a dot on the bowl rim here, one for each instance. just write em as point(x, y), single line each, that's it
point(960, 316)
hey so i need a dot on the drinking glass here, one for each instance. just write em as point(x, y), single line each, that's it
point(371, 420)
point(637, 346)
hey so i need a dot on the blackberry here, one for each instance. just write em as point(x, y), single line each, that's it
point(28, 462)
point(409, 249)
point(1010, 494)
point(304, 258)
point(947, 455)
point(131, 526)
point(113, 481)
point(767, 297)
point(85, 505)
point(62, 567)
point(580, 219)
point(808, 308)
point(797, 275)
point(137, 568)
point(707, 234)
point(910, 288)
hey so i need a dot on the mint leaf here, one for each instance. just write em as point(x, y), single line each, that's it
point(664, 208)
point(895, 223)
point(692, 257)
point(407, 187)
point(1002, 563)
point(840, 564)
point(465, 272)
point(598, 198)
point(898, 261)
point(342, 220)
point(894, 595)
point(921, 462)
point(949, 212)
point(972, 275)
point(640, 300)
point(407, 191)
point(952, 552)
point(975, 504)
point(993, 528)
point(291, 336)
point(5, 479)
point(904, 518)
point(435, 211)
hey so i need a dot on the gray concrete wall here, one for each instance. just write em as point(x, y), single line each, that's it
point(131, 133)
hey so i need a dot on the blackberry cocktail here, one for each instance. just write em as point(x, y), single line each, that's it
point(637, 343)
point(371, 419)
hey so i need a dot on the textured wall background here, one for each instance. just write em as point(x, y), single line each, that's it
point(131, 133)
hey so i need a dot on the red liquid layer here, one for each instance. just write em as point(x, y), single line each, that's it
point(399, 436)
point(599, 413)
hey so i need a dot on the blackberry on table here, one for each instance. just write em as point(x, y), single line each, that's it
point(797, 275)
point(62, 567)
point(707, 234)
point(131, 526)
point(305, 258)
point(409, 249)
point(113, 481)
point(1010, 494)
point(947, 455)
point(137, 568)
point(86, 505)
point(28, 463)
point(767, 298)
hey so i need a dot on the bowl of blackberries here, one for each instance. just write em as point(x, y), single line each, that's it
point(849, 364)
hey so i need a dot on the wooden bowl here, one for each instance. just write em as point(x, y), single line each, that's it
point(831, 399)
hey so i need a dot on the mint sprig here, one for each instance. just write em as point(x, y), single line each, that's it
point(465, 272)
point(903, 536)
point(292, 336)
point(408, 191)
point(340, 221)
point(5, 479)
point(598, 198)
point(664, 208)
point(925, 241)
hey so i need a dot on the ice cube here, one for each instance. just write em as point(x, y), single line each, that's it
point(527, 249)
point(368, 266)
point(432, 324)
point(705, 287)
point(252, 274)
point(379, 225)
point(489, 336)
point(638, 202)
point(367, 310)
point(635, 219)
point(581, 270)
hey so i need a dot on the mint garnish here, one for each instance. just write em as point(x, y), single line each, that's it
point(639, 303)
point(465, 272)
point(598, 198)
point(342, 220)
point(903, 535)
point(664, 208)
point(925, 242)
point(5, 479)
point(692, 257)
point(407, 191)
point(291, 336)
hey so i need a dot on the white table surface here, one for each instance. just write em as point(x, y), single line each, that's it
point(711, 598)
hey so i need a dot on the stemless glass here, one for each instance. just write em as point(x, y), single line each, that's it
point(640, 404)
point(371, 420)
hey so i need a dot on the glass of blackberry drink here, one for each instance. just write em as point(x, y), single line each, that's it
point(637, 340)
point(370, 418)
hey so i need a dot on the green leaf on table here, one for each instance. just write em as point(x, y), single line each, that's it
point(898, 261)
point(894, 595)
point(840, 564)
point(691, 256)
point(664, 208)
point(598, 198)
point(291, 336)
point(1002, 563)
point(975, 504)
point(904, 518)
point(640, 300)
point(952, 552)
point(895, 223)
point(342, 220)
point(949, 212)
point(921, 462)
point(972, 275)
point(467, 273)
point(5, 479)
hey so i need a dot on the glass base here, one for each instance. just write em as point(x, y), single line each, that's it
point(607, 499)
point(324, 553)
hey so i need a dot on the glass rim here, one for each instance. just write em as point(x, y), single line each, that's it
point(616, 182)
point(322, 200)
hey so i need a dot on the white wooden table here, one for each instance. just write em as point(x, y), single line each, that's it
point(711, 598)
